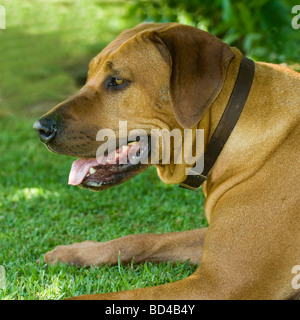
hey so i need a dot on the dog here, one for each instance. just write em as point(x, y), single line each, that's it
point(172, 76)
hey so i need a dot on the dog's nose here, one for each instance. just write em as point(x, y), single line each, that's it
point(46, 129)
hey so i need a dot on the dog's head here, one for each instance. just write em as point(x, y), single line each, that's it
point(155, 76)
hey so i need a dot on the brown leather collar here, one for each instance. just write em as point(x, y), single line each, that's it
point(226, 124)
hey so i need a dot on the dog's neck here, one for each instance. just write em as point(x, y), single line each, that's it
point(176, 173)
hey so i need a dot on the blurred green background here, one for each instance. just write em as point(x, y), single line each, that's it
point(44, 55)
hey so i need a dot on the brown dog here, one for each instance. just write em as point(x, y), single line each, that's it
point(158, 76)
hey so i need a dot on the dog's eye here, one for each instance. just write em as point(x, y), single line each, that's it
point(119, 82)
point(115, 83)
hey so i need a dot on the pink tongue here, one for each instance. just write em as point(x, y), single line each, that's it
point(80, 169)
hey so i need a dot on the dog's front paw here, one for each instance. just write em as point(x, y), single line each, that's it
point(81, 254)
point(63, 254)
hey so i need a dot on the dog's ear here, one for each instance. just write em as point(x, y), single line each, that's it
point(198, 64)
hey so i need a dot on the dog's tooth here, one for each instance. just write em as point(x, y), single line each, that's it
point(92, 171)
point(94, 184)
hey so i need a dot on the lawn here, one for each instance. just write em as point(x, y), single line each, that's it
point(44, 57)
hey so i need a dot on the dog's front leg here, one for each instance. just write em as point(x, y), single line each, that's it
point(177, 246)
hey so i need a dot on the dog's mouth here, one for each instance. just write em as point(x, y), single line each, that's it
point(112, 168)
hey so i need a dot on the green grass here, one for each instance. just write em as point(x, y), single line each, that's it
point(38, 211)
